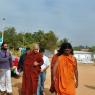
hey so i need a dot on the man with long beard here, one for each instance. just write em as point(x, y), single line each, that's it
point(5, 70)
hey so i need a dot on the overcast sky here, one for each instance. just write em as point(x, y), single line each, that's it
point(72, 19)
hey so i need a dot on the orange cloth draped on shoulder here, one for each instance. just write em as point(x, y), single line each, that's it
point(31, 73)
point(64, 75)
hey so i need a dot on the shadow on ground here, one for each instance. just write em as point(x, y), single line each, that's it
point(89, 86)
point(18, 86)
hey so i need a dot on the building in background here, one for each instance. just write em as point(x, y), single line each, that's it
point(84, 56)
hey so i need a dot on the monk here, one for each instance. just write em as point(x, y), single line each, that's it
point(32, 65)
point(65, 71)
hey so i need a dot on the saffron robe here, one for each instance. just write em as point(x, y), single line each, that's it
point(31, 73)
point(53, 61)
point(65, 76)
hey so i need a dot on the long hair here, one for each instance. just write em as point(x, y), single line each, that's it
point(63, 47)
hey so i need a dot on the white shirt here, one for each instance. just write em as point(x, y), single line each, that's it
point(46, 63)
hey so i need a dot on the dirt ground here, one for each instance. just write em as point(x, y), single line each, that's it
point(86, 81)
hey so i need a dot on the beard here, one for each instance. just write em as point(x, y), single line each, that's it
point(5, 49)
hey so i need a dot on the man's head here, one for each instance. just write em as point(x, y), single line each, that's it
point(35, 48)
point(27, 50)
point(65, 48)
point(4, 46)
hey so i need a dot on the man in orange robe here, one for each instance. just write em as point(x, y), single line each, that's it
point(33, 61)
point(65, 71)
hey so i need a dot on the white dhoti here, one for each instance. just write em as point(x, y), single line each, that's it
point(5, 80)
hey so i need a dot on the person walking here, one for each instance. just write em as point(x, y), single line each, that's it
point(5, 70)
point(42, 76)
point(65, 71)
point(31, 70)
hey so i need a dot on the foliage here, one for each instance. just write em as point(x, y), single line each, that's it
point(10, 36)
point(48, 40)
point(62, 41)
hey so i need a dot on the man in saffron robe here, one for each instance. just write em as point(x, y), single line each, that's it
point(32, 65)
point(65, 71)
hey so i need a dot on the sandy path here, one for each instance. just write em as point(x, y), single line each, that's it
point(86, 81)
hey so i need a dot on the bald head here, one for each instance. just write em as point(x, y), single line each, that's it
point(35, 47)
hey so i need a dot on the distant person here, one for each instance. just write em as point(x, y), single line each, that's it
point(15, 60)
point(42, 76)
point(65, 71)
point(21, 60)
point(5, 70)
point(31, 70)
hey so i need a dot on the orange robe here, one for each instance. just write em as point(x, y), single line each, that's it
point(31, 73)
point(65, 76)
point(53, 61)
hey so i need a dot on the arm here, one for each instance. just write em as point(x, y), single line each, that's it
point(46, 64)
point(39, 60)
point(10, 59)
point(21, 63)
point(76, 73)
point(44, 69)
point(53, 62)
point(54, 69)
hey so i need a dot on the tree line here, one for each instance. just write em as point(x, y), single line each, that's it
point(15, 40)
point(48, 40)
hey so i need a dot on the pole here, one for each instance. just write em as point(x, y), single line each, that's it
point(3, 19)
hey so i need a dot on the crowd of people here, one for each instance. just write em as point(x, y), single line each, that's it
point(34, 64)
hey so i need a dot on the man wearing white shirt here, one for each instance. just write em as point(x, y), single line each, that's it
point(42, 76)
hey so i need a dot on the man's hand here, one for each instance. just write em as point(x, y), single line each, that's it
point(36, 63)
point(76, 84)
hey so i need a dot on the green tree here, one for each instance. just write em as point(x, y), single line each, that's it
point(38, 36)
point(28, 38)
point(19, 39)
point(62, 41)
point(50, 40)
point(10, 36)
